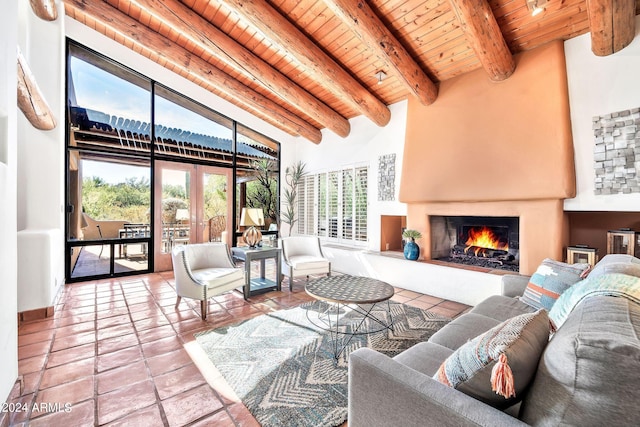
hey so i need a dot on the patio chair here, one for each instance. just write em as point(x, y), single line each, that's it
point(302, 256)
point(204, 270)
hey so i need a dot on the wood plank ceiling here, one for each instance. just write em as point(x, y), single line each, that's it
point(305, 65)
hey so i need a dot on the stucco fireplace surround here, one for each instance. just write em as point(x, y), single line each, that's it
point(495, 149)
point(483, 149)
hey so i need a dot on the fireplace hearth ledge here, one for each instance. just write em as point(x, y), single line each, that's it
point(463, 285)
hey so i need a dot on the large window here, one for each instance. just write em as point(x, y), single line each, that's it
point(334, 204)
point(149, 169)
point(109, 167)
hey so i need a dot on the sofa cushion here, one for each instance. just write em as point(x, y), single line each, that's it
point(501, 308)
point(549, 281)
point(424, 357)
point(308, 262)
point(590, 371)
point(221, 276)
point(462, 329)
point(617, 263)
point(515, 344)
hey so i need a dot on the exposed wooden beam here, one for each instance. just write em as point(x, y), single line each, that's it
point(366, 25)
point(30, 99)
point(484, 35)
point(612, 23)
point(192, 67)
point(45, 9)
point(320, 66)
point(192, 26)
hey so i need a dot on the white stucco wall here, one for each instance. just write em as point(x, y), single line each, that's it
point(8, 173)
point(364, 145)
point(597, 86)
point(41, 166)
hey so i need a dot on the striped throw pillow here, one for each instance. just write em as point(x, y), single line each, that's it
point(498, 365)
point(549, 281)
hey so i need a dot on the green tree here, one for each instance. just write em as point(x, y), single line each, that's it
point(129, 200)
point(215, 196)
point(263, 191)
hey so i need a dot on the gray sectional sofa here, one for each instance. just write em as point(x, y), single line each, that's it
point(587, 375)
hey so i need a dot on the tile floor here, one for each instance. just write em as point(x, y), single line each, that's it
point(114, 351)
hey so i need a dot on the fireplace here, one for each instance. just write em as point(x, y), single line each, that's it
point(482, 241)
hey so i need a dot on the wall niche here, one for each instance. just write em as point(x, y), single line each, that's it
point(590, 227)
point(391, 227)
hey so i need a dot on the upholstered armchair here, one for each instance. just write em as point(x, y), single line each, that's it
point(204, 270)
point(302, 256)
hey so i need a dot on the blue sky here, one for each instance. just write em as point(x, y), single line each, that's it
point(113, 173)
point(102, 91)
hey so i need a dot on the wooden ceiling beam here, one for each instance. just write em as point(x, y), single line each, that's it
point(320, 66)
point(30, 99)
point(366, 25)
point(485, 37)
point(192, 26)
point(612, 24)
point(196, 69)
point(45, 9)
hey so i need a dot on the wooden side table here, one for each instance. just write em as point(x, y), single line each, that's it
point(262, 284)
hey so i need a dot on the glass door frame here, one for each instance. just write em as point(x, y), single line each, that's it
point(162, 260)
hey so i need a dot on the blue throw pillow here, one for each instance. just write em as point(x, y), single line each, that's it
point(549, 281)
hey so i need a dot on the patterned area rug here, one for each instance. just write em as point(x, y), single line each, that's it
point(282, 366)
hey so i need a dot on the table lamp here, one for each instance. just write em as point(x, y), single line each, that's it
point(250, 217)
point(182, 215)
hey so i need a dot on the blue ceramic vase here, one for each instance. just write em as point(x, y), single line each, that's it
point(411, 250)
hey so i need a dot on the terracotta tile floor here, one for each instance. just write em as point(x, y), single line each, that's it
point(115, 351)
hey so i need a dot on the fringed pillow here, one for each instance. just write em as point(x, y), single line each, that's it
point(497, 366)
point(550, 280)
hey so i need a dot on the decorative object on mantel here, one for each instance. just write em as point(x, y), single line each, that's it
point(582, 254)
point(616, 141)
point(411, 248)
point(622, 241)
point(387, 177)
point(45, 9)
point(30, 99)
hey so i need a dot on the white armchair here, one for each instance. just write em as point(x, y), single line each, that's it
point(302, 256)
point(204, 270)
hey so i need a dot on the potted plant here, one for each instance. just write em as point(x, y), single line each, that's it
point(411, 248)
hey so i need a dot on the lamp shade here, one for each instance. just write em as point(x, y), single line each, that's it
point(182, 214)
point(251, 217)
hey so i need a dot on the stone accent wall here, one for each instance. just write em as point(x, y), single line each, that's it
point(387, 177)
point(616, 153)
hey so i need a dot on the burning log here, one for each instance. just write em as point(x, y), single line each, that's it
point(481, 252)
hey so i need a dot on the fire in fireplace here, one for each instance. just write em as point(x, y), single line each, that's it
point(490, 242)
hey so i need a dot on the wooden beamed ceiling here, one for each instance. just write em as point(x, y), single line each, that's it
point(306, 65)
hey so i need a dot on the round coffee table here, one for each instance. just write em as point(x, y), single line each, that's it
point(361, 294)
